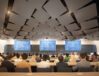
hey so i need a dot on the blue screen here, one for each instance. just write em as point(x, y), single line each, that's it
point(22, 45)
point(47, 45)
point(74, 45)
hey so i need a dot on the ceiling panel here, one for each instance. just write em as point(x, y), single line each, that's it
point(91, 30)
point(28, 36)
point(23, 33)
point(3, 10)
point(65, 19)
point(86, 13)
point(13, 26)
point(89, 24)
point(19, 37)
point(27, 28)
point(32, 22)
point(1, 25)
point(73, 5)
point(17, 19)
point(80, 36)
point(52, 22)
point(24, 8)
point(77, 33)
point(70, 37)
point(96, 34)
point(38, 3)
point(41, 15)
point(11, 33)
point(72, 27)
point(55, 8)
point(67, 33)
point(32, 33)
point(60, 28)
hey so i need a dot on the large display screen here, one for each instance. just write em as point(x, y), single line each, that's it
point(47, 45)
point(22, 45)
point(73, 45)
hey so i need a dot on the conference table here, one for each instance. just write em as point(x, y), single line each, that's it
point(54, 64)
point(52, 74)
point(70, 64)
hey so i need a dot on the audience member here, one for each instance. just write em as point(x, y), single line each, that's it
point(72, 59)
point(94, 57)
point(23, 63)
point(67, 58)
point(61, 65)
point(1, 57)
point(37, 58)
point(83, 63)
point(8, 64)
point(17, 58)
point(44, 63)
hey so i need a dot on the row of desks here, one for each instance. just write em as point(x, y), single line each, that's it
point(52, 74)
point(70, 64)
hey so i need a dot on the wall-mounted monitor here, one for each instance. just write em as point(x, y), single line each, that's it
point(22, 45)
point(73, 45)
point(47, 45)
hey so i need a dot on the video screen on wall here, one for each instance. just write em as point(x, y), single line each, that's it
point(22, 45)
point(73, 45)
point(47, 45)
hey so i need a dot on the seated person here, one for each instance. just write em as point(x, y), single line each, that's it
point(72, 59)
point(1, 57)
point(38, 59)
point(17, 59)
point(23, 63)
point(67, 57)
point(52, 56)
point(62, 66)
point(33, 58)
point(44, 63)
point(8, 65)
point(83, 63)
point(94, 58)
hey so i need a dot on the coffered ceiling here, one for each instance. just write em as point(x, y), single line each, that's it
point(56, 19)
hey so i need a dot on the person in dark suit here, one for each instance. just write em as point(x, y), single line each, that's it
point(8, 64)
point(62, 66)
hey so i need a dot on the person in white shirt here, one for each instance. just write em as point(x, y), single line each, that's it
point(77, 56)
point(44, 63)
point(1, 58)
point(72, 58)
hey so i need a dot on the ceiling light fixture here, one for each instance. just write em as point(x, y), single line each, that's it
point(69, 13)
point(8, 12)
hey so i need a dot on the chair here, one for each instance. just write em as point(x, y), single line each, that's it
point(65, 69)
point(43, 69)
point(3, 69)
point(62, 67)
point(96, 68)
point(85, 69)
point(21, 69)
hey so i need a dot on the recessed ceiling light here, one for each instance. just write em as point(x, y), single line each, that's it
point(9, 12)
point(69, 12)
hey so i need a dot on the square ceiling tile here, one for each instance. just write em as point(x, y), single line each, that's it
point(73, 5)
point(55, 8)
point(65, 19)
point(89, 24)
point(72, 27)
point(86, 13)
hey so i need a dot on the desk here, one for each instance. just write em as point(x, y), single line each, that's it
point(70, 64)
point(52, 74)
